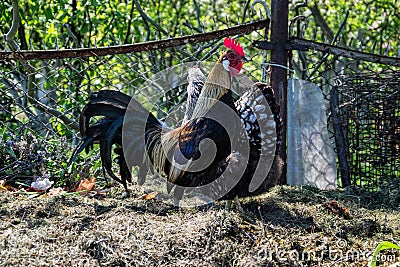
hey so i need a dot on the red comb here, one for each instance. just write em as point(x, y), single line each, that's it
point(232, 44)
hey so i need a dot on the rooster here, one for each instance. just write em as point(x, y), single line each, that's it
point(149, 143)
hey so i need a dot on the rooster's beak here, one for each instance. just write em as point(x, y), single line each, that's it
point(244, 59)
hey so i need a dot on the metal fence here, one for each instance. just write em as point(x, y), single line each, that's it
point(362, 107)
point(370, 119)
point(42, 94)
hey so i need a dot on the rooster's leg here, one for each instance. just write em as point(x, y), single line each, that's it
point(176, 203)
point(178, 194)
point(126, 193)
point(228, 205)
point(238, 206)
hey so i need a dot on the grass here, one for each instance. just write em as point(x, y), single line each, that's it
point(288, 226)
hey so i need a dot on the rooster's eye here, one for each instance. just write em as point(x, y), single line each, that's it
point(231, 55)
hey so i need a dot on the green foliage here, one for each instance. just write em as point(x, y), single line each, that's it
point(382, 246)
point(26, 156)
point(102, 23)
point(371, 26)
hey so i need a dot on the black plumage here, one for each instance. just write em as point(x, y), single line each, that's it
point(142, 141)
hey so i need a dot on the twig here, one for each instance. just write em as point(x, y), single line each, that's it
point(191, 26)
point(209, 53)
point(247, 235)
point(196, 7)
point(8, 166)
point(20, 101)
point(262, 221)
point(71, 34)
point(332, 43)
point(147, 18)
point(59, 115)
point(14, 26)
point(320, 21)
point(128, 31)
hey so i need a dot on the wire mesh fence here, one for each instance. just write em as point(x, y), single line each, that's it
point(366, 133)
point(370, 115)
point(41, 100)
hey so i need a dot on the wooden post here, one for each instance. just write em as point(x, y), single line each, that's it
point(278, 75)
point(339, 138)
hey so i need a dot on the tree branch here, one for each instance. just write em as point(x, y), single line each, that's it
point(14, 27)
point(22, 104)
point(71, 34)
point(320, 21)
point(59, 115)
point(147, 18)
point(128, 32)
point(198, 15)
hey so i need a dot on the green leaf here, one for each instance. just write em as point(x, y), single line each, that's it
point(62, 16)
point(11, 152)
point(48, 13)
point(382, 246)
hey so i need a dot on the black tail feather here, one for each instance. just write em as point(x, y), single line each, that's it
point(124, 170)
point(94, 133)
point(107, 103)
point(113, 136)
point(112, 106)
point(92, 110)
point(83, 144)
point(109, 95)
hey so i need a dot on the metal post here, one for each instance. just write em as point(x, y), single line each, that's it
point(278, 76)
point(339, 138)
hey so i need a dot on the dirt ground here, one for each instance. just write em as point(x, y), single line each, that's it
point(288, 226)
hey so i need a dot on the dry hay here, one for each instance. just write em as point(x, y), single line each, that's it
point(288, 226)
